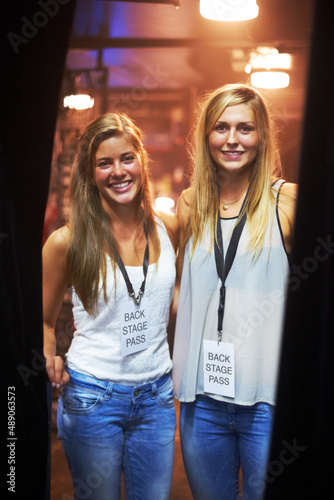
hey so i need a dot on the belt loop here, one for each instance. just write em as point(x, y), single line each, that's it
point(154, 389)
point(109, 390)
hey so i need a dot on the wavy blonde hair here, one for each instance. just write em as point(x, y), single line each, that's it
point(207, 177)
point(91, 237)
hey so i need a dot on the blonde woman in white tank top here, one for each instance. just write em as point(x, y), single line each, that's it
point(236, 225)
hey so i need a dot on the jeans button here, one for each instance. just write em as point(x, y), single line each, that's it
point(136, 393)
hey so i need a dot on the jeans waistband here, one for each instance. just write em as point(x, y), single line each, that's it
point(94, 384)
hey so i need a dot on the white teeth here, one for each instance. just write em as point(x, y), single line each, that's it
point(233, 153)
point(120, 185)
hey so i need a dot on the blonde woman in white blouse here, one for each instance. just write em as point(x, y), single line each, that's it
point(235, 236)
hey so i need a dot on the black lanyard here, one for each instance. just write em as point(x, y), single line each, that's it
point(224, 265)
point(145, 268)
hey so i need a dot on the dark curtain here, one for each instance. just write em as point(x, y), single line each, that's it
point(301, 463)
point(34, 38)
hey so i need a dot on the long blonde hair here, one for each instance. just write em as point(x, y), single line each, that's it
point(91, 237)
point(207, 177)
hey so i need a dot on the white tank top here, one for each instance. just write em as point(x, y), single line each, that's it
point(254, 311)
point(96, 346)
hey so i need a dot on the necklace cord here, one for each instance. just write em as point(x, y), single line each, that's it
point(145, 269)
point(224, 265)
point(226, 205)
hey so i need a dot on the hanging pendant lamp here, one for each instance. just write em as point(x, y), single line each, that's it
point(229, 10)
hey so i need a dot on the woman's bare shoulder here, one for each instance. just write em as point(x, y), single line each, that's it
point(184, 204)
point(187, 196)
point(58, 240)
point(289, 192)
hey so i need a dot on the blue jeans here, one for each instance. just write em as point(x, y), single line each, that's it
point(218, 438)
point(108, 429)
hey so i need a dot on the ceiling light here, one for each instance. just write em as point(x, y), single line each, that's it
point(229, 10)
point(78, 101)
point(248, 68)
point(270, 79)
point(266, 65)
point(269, 58)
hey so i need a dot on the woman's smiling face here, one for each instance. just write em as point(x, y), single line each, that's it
point(234, 140)
point(118, 172)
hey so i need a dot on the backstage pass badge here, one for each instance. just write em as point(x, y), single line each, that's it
point(134, 327)
point(219, 368)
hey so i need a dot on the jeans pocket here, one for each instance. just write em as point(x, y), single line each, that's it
point(166, 396)
point(80, 401)
point(267, 409)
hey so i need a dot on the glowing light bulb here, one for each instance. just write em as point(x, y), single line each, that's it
point(229, 10)
point(164, 203)
point(270, 79)
point(78, 101)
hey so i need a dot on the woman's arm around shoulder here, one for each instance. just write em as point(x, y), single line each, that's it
point(286, 210)
point(55, 283)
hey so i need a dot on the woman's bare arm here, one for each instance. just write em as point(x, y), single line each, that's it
point(286, 210)
point(55, 283)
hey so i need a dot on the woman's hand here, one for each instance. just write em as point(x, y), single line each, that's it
point(57, 374)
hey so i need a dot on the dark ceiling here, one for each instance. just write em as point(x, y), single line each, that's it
point(187, 50)
point(168, 46)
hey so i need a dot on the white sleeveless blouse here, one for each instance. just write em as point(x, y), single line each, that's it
point(253, 318)
point(96, 346)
